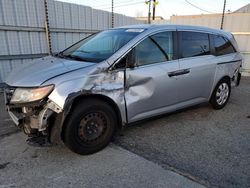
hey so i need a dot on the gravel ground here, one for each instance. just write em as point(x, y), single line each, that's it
point(206, 145)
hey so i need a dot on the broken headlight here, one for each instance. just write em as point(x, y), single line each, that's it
point(23, 95)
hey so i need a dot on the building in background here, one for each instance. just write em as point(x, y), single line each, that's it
point(245, 9)
point(145, 18)
point(237, 22)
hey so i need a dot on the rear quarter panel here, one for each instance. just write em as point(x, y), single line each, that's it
point(226, 66)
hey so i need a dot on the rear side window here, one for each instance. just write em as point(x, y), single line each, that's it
point(222, 46)
point(194, 44)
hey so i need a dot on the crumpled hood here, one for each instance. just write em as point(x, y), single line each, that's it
point(41, 70)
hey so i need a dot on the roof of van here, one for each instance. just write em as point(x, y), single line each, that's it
point(173, 26)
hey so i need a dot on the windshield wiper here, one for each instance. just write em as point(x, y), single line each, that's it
point(60, 54)
point(73, 57)
point(68, 56)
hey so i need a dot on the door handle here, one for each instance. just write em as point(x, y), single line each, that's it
point(179, 72)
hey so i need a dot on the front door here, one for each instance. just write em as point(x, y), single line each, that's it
point(151, 88)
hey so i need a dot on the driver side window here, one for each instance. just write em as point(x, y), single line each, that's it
point(154, 49)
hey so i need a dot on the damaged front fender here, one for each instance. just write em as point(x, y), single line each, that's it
point(104, 85)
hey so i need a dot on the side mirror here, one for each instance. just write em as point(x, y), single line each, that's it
point(130, 60)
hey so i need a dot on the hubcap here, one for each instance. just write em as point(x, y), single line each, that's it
point(92, 126)
point(222, 93)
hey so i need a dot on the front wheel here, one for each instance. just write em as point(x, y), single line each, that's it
point(90, 127)
point(221, 94)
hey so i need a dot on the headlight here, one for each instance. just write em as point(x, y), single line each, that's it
point(23, 95)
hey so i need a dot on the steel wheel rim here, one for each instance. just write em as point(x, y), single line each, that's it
point(92, 126)
point(222, 93)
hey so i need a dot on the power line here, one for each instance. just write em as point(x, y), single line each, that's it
point(117, 3)
point(162, 11)
point(98, 1)
point(198, 7)
point(124, 5)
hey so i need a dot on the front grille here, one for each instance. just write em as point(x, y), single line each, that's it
point(8, 92)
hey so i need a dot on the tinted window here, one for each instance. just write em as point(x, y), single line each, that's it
point(222, 46)
point(194, 44)
point(154, 49)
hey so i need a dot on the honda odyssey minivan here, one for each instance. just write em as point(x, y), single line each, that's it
point(81, 95)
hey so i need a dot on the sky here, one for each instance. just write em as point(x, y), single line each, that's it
point(165, 8)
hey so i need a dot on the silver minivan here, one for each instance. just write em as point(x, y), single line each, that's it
point(81, 95)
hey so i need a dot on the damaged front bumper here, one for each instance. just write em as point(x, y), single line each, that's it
point(17, 120)
point(35, 119)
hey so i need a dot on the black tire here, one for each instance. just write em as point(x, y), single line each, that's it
point(214, 100)
point(90, 127)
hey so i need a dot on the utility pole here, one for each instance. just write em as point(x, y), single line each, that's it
point(149, 10)
point(154, 5)
point(112, 13)
point(223, 15)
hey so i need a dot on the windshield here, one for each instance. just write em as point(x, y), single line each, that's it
point(100, 46)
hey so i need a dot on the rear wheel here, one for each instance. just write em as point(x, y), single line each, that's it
point(90, 127)
point(221, 94)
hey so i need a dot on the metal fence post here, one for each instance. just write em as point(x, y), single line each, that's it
point(112, 13)
point(47, 28)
